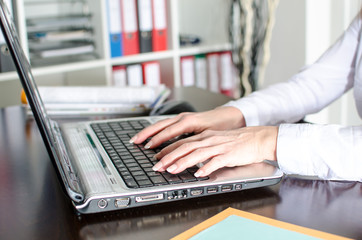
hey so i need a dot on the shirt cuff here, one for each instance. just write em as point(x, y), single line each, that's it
point(248, 110)
point(292, 154)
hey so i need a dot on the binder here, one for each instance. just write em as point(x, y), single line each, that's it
point(187, 71)
point(119, 76)
point(226, 74)
point(213, 71)
point(159, 33)
point(151, 74)
point(145, 25)
point(201, 71)
point(130, 38)
point(115, 27)
point(134, 75)
point(6, 61)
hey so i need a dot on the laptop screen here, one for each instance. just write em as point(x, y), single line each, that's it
point(24, 72)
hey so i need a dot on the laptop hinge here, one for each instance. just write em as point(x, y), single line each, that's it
point(65, 167)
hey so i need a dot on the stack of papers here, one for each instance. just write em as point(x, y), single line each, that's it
point(101, 100)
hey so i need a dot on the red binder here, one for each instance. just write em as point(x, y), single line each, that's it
point(213, 71)
point(119, 76)
point(151, 73)
point(227, 74)
point(130, 27)
point(159, 32)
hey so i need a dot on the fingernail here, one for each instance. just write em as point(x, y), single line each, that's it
point(157, 166)
point(171, 168)
point(199, 173)
point(155, 157)
point(133, 139)
point(148, 145)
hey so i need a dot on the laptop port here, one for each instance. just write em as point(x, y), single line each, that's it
point(226, 188)
point(149, 198)
point(102, 203)
point(122, 202)
point(196, 192)
point(211, 189)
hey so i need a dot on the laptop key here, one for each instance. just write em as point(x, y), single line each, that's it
point(145, 183)
point(124, 171)
point(135, 169)
point(146, 165)
point(152, 173)
point(187, 177)
point(171, 178)
point(202, 178)
point(141, 177)
point(158, 180)
point(131, 183)
point(137, 173)
point(127, 176)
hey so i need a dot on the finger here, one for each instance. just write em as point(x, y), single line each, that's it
point(197, 156)
point(168, 149)
point(177, 153)
point(199, 141)
point(214, 164)
point(191, 153)
point(149, 131)
point(179, 127)
point(197, 137)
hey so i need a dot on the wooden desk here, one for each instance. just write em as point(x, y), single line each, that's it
point(33, 205)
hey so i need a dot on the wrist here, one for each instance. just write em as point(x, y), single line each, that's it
point(235, 117)
point(271, 144)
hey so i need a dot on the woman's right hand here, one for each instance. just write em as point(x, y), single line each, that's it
point(221, 118)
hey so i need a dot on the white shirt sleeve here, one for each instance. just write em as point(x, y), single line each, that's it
point(327, 151)
point(309, 91)
point(331, 152)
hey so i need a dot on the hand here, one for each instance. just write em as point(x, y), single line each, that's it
point(219, 149)
point(221, 118)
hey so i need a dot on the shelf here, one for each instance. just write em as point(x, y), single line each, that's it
point(194, 50)
point(8, 76)
point(187, 17)
point(143, 57)
point(68, 67)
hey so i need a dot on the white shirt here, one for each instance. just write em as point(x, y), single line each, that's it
point(327, 151)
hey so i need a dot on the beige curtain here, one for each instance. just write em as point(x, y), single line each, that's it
point(251, 23)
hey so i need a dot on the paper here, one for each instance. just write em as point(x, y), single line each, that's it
point(91, 101)
point(145, 15)
point(130, 17)
point(235, 227)
point(237, 224)
point(88, 95)
point(114, 16)
point(159, 14)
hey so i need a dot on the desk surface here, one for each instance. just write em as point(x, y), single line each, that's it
point(33, 205)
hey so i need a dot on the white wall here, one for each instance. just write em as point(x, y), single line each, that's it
point(303, 31)
point(287, 46)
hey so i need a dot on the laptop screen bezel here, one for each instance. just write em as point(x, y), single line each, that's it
point(26, 77)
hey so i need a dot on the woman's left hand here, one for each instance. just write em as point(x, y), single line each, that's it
point(222, 148)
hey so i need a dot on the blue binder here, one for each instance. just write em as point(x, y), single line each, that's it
point(115, 27)
point(115, 45)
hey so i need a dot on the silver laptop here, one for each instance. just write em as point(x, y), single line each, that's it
point(99, 168)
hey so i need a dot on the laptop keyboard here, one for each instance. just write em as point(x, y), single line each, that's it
point(133, 162)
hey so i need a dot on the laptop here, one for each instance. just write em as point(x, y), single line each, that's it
point(101, 171)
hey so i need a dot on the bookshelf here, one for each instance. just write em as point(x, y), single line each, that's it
point(183, 17)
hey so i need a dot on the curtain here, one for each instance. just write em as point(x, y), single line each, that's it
point(251, 23)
